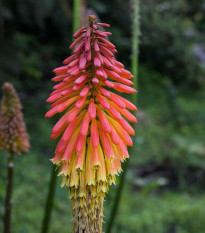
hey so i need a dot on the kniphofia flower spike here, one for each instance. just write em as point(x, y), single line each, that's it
point(13, 135)
point(95, 133)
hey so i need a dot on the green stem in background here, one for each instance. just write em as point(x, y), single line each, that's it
point(135, 45)
point(134, 68)
point(76, 15)
point(9, 188)
point(49, 201)
point(117, 199)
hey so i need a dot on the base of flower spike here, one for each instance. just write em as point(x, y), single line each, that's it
point(87, 202)
point(88, 214)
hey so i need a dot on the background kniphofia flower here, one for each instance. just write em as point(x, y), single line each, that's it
point(13, 135)
point(95, 134)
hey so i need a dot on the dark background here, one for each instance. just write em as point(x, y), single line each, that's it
point(165, 188)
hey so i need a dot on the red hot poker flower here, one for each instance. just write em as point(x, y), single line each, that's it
point(94, 129)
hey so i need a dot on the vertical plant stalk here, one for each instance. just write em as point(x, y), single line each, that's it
point(134, 68)
point(49, 200)
point(76, 15)
point(135, 45)
point(9, 189)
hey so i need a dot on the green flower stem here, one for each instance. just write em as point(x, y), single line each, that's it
point(9, 189)
point(134, 68)
point(117, 198)
point(49, 201)
point(135, 46)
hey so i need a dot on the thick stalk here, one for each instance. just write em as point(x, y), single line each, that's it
point(135, 46)
point(76, 15)
point(134, 68)
point(49, 201)
point(8, 202)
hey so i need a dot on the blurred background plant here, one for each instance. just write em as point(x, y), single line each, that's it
point(164, 190)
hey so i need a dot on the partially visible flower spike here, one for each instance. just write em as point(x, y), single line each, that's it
point(95, 133)
point(13, 135)
point(13, 139)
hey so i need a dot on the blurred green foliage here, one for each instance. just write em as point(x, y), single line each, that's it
point(165, 183)
point(172, 31)
point(172, 212)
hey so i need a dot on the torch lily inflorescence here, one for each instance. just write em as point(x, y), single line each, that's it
point(95, 134)
point(13, 135)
